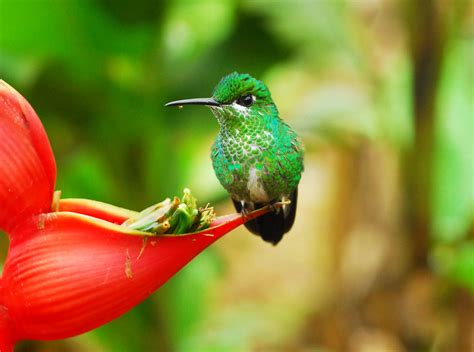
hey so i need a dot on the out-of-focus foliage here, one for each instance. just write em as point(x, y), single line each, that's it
point(453, 206)
point(345, 75)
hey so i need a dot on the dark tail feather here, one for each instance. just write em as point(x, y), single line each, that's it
point(271, 226)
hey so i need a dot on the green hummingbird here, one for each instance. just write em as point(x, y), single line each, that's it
point(256, 156)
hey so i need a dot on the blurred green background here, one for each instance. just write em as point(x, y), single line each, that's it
point(381, 257)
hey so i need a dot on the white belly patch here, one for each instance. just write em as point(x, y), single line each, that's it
point(254, 185)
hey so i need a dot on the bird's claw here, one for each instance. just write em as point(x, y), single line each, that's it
point(273, 207)
point(245, 213)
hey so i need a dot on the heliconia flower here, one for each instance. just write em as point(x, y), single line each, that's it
point(71, 266)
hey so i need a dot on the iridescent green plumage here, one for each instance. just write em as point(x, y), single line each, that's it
point(254, 144)
point(256, 156)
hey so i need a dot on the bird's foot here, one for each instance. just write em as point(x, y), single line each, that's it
point(274, 208)
point(245, 213)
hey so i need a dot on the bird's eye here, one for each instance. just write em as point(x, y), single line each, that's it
point(246, 100)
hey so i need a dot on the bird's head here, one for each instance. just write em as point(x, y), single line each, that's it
point(237, 97)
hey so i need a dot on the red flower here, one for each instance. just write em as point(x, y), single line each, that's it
point(72, 269)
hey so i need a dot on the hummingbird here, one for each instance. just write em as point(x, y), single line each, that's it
point(256, 156)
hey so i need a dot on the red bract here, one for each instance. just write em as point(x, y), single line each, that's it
point(27, 169)
point(73, 269)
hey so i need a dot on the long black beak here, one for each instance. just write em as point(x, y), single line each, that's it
point(195, 101)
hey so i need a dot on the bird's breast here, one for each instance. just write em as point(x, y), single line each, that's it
point(253, 166)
